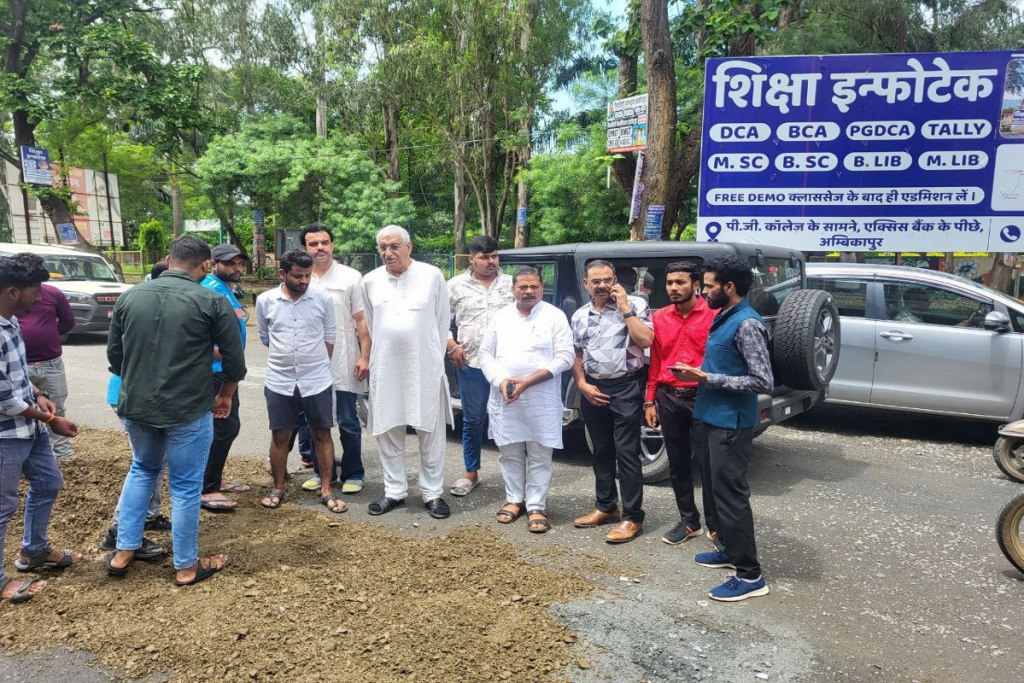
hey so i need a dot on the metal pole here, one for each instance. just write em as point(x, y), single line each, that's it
point(24, 202)
point(110, 206)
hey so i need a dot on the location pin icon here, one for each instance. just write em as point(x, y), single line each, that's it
point(713, 229)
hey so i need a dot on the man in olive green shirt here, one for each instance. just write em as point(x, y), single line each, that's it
point(162, 337)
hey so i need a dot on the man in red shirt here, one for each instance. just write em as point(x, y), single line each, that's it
point(680, 334)
point(41, 328)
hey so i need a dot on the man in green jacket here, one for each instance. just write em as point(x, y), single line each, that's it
point(160, 342)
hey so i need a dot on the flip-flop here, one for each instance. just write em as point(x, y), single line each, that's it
point(117, 571)
point(463, 486)
point(212, 505)
point(22, 593)
point(235, 487)
point(203, 573)
point(339, 505)
point(275, 496)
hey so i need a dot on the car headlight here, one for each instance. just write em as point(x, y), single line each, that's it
point(78, 297)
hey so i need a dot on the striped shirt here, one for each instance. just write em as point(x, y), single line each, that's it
point(608, 350)
point(16, 395)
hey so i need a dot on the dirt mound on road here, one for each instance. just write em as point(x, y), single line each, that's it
point(310, 597)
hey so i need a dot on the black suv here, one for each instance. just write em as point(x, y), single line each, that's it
point(803, 323)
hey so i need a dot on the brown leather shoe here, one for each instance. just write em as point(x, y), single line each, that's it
point(596, 518)
point(624, 532)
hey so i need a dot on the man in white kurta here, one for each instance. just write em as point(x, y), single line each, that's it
point(525, 350)
point(408, 315)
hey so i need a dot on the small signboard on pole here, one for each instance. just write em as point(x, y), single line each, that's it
point(35, 166)
point(655, 219)
point(67, 233)
point(627, 124)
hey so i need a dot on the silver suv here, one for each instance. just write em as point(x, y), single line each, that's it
point(922, 341)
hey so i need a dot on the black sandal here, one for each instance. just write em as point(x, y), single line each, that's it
point(203, 573)
point(506, 516)
point(28, 563)
point(383, 505)
point(117, 571)
point(339, 505)
point(275, 496)
point(537, 522)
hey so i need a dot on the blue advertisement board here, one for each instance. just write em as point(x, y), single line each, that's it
point(35, 166)
point(893, 152)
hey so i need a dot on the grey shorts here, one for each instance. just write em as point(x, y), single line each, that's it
point(285, 411)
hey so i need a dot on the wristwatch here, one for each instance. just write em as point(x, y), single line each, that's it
point(43, 394)
point(631, 314)
point(648, 404)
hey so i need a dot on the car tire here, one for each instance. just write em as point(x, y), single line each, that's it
point(1009, 456)
point(653, 455)
point(805, 341)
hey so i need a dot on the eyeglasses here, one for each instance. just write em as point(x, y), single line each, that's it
point(605, 281)
point(385, 248)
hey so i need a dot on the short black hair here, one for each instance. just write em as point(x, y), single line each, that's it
point(189, 251)
point(691, 268)
point(597, 263)
point(295, 257)
point(524, 271)
point(483, 244)
point(22, 270)
point(158, 268)
point(732, 269)
point(316, 227)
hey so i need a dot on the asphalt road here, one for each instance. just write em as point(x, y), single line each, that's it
point(875, 532)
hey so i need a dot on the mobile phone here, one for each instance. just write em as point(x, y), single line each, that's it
point(509, 388)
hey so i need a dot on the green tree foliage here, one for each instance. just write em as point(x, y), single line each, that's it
point(152, 240)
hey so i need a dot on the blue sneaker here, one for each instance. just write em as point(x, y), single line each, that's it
point(735, 589)
point(714, 558)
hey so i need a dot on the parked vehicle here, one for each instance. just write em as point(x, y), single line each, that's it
point(921, 341)
point(804, 323)
point(87, 280)
point(1010, 532)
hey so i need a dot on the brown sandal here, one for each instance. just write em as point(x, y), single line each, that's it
point(537, 522)
point(274, 499)
point(510, 512)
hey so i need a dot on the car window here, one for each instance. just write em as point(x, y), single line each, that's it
point(913, 302)
point(774, 280)
point(548, 271)
point(851, 296)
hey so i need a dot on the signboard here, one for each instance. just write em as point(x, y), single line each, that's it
point(894, 152)
point(202, 225)
point(655, 218)
point(627, 124)
point(521, 214)
point(67, 234)
point(638, 189)
point(35, 166)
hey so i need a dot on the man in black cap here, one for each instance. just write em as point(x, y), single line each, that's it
point(226, 271)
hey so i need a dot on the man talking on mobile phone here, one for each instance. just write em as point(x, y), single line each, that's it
point(610, 334)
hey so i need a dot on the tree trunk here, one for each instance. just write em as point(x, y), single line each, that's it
point(522, 205)
point(391, 138)
point(661, 114)
point(947, 262)
point(522, 230)
point(177, 208)
point(999, 276)
point(321, 116)
point(460, 207)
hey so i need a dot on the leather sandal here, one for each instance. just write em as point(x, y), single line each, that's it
point(383, 505)
point(510, 512)
point(537, 522)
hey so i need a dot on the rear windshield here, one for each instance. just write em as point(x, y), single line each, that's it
point(774, 280)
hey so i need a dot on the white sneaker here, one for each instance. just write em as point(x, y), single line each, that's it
point(311, 484)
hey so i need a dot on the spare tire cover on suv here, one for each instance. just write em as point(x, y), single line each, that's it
point(805, 340)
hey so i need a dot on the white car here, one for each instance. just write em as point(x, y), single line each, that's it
point(922, 341)
point(87, 280)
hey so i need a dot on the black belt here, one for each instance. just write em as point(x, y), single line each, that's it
point(629, 375)
point(678, 392)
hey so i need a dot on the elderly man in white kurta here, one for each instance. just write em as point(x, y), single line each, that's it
point(526, 349)
point(408, 314)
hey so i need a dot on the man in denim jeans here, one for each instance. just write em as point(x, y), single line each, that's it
point(24, 442)
point(41, 329)
point(161, 339)
point(474, 297)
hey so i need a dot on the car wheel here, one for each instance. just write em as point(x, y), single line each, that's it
point(653, 455)
point(1009, 456)
point(805, 342)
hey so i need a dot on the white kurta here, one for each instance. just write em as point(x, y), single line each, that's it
point(344, 286)
point(408, 317)
point(514, 346)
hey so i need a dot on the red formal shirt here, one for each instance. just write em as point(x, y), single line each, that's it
point(678, 339)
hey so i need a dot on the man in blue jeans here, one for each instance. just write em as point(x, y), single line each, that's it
point(24, 442)
point(162, 336)
point(474, 297)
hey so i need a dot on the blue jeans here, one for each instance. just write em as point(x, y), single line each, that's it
point(474, 390)
point(187, 447)
point(350, 434)
point(32, 457)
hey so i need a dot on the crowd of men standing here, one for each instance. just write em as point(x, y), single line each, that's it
point(176, 354)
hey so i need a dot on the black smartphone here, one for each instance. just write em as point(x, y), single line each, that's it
point(509, 388)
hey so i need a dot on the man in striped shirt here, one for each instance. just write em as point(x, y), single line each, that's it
point(25, 448)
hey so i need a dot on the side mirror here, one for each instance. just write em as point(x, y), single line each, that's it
point(569, 306)
point(996, 321)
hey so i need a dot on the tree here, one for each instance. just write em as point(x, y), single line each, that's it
point(152, 241)
point(62, 57)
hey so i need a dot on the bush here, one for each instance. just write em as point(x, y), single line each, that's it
point(152, 241)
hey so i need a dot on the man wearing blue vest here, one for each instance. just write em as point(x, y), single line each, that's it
point(736, 368)
point(225, 271)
